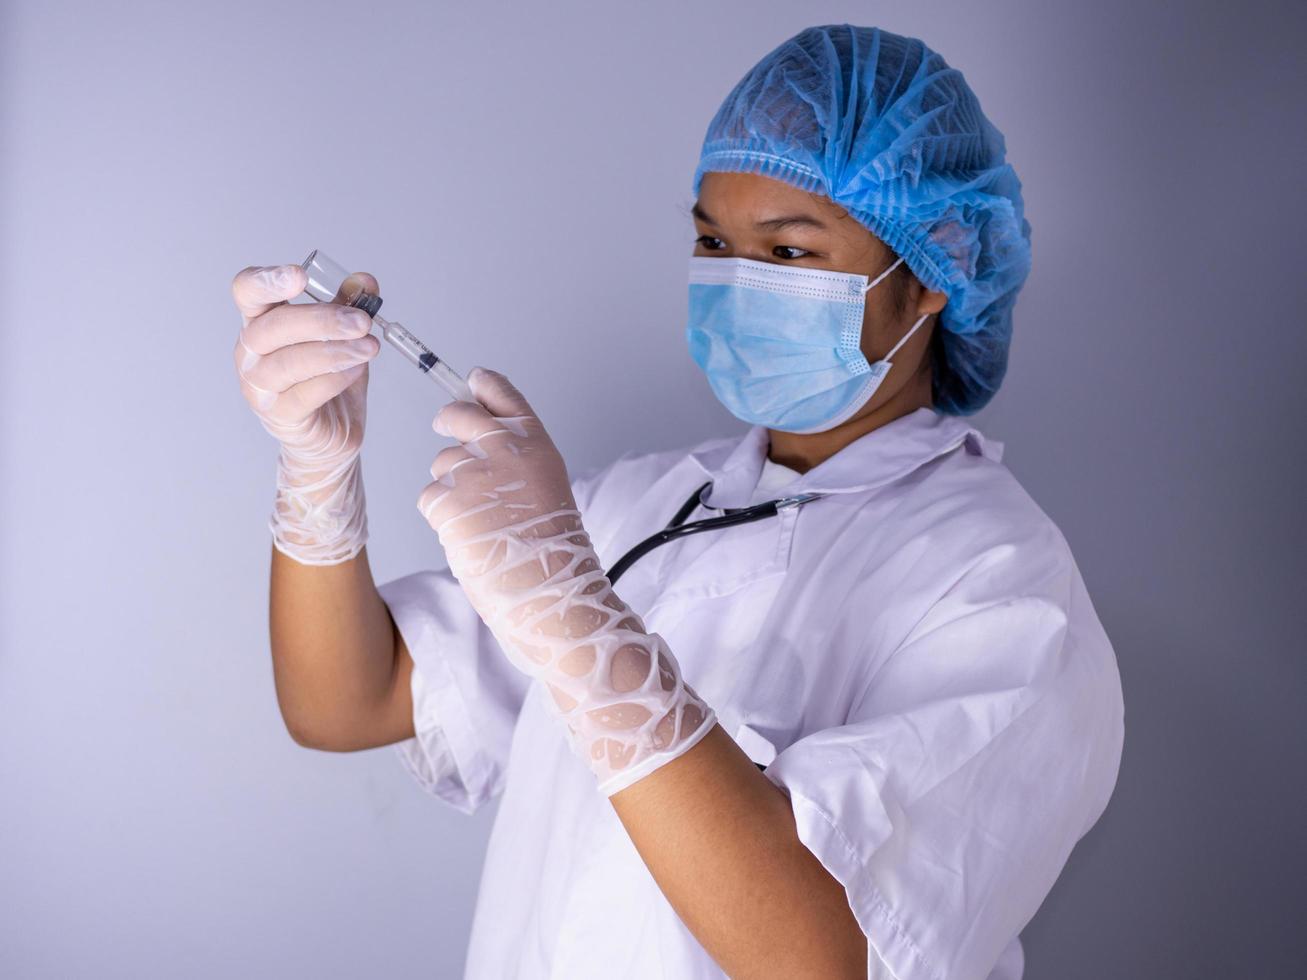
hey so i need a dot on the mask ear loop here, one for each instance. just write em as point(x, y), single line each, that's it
point(867, 287)
point(887, 357)
point(905, 337)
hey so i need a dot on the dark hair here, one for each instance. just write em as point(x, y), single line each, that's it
point(898, 288)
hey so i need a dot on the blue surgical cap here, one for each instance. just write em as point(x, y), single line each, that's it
point(882, 126)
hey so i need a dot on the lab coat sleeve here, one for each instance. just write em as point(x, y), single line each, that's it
point(978, 752)
point(466, 696)
point(466, 693)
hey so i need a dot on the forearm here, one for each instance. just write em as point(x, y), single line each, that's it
point(720, 840)
point(333, 649)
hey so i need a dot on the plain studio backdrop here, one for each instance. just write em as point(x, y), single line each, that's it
point(518, 179)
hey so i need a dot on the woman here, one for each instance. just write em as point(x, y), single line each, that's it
point(857, 737)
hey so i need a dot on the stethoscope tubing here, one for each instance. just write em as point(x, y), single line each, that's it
point(730, 517)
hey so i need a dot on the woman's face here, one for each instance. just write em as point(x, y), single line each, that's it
point(754, 217)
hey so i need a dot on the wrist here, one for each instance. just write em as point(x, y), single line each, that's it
point(320, 519)
point(611, 782)
point(625, 727)
point(618, 688)
point(316, 459)
point(325, 440)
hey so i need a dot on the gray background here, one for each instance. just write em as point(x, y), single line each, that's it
point(517, 177)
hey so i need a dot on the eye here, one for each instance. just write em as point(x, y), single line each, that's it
point(789, 248)
point(705, 239)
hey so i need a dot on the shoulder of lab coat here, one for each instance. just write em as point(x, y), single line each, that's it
point(984, 741)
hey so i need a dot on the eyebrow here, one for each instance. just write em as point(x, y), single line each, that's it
point(771, 224)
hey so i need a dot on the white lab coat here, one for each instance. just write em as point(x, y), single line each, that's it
point(914, 658)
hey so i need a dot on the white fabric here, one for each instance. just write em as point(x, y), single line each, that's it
point(917, 648)
point(774, 476)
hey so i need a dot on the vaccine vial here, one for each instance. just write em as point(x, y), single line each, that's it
point(327, 279)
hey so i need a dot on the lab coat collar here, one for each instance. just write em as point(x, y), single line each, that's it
point(874, 459)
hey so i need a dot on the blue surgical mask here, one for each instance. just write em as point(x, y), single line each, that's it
point(781, 344)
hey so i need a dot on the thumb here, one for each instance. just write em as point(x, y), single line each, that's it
point(497, 393)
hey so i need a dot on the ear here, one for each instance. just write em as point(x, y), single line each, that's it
point(930, 301)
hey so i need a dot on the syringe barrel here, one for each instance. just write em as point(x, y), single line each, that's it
point(424, 359)
point(417, 353)
point(452, 382)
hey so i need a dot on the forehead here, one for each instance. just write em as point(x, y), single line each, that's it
point(744, 195)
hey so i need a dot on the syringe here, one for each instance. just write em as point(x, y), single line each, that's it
point(326, 277)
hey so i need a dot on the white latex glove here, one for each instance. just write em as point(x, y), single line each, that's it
point(502, 505)
point(303, 368)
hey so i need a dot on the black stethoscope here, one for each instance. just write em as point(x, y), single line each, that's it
point(731, 516)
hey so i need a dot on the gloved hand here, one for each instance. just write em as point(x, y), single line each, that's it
point(503, 508)
point(303, 368)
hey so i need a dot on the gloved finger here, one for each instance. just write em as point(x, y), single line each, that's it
point(433, 503)
point(469, 423)
point(256, 288)
point(450, 515)
point(287, 366)
point(447, 460)
point(296, 323)
point(301, 400)
point(497, 394)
